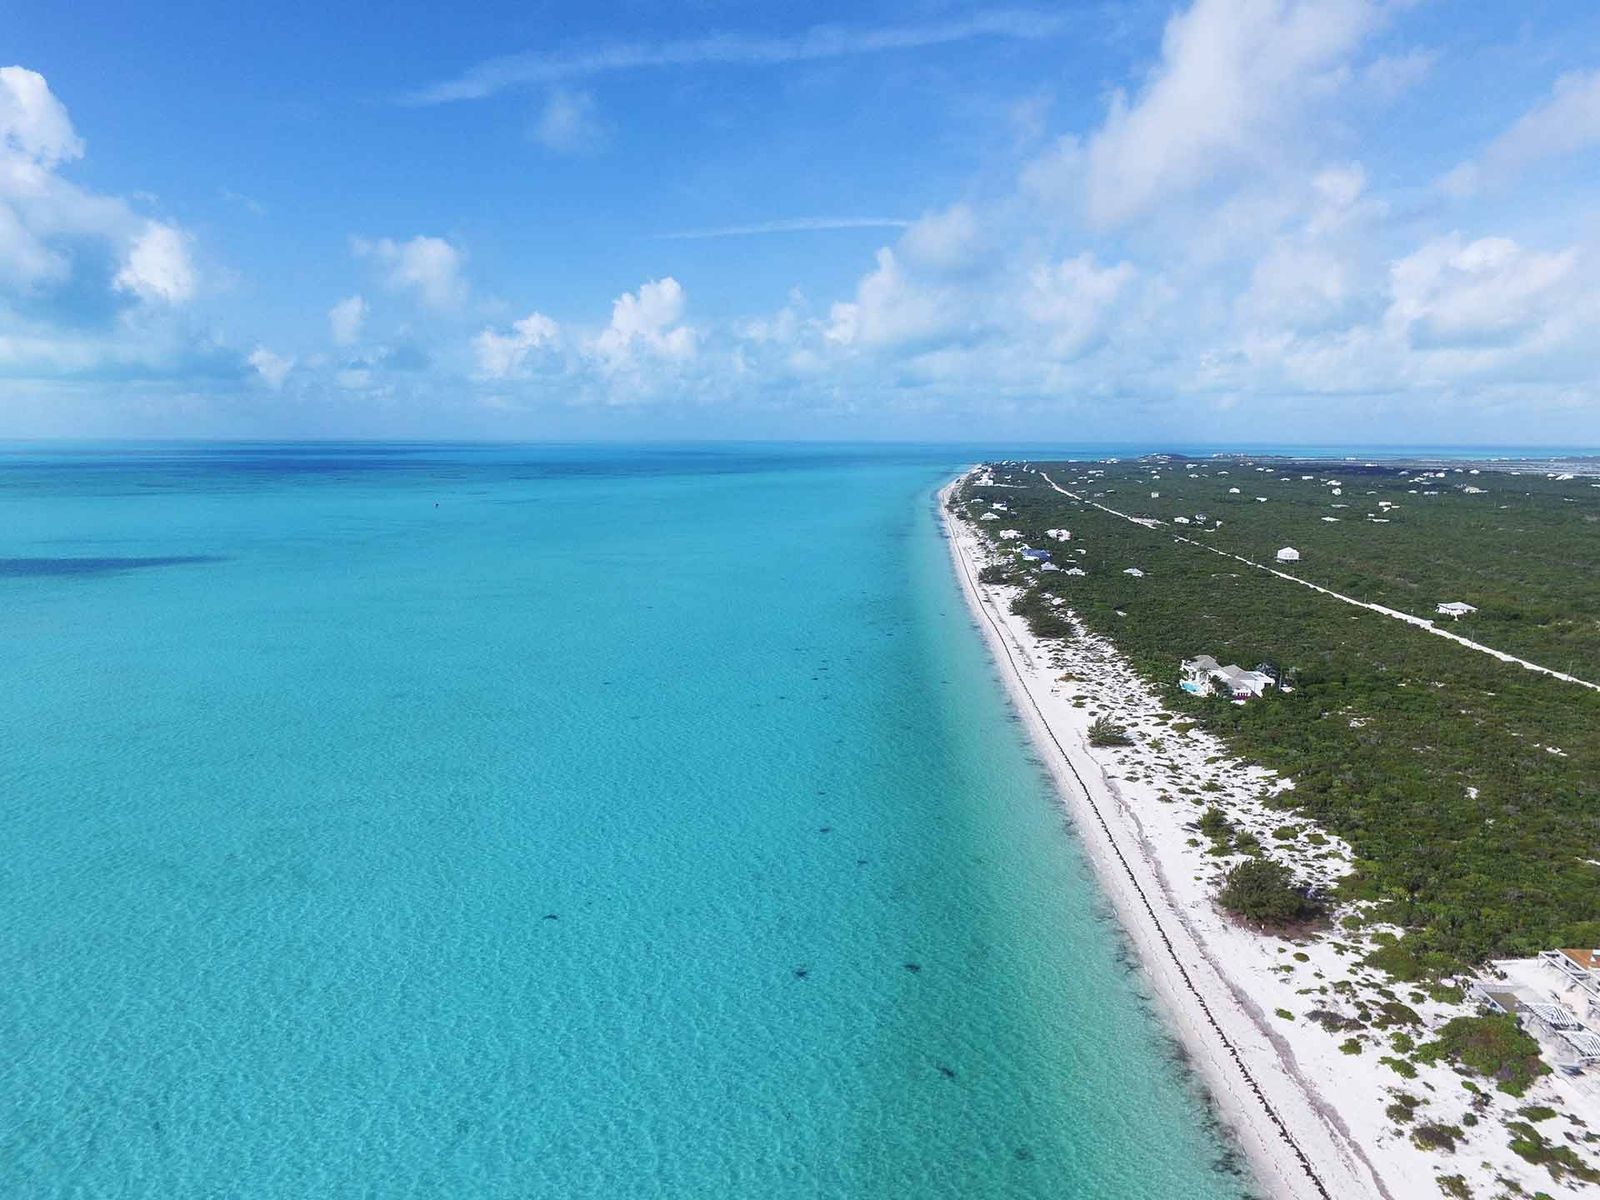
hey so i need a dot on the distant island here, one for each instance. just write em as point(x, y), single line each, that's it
point(1330, 732)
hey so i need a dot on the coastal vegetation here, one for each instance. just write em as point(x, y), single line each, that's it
point(1105, 732)
point(1469, 788)
point(1264, 892)
point(1492, 1046)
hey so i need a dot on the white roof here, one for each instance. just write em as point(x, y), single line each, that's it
point(1555, 1016)
point(1585, 1043)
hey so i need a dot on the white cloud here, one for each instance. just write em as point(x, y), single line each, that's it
point(50, 229)
point(505, 355)
point(345, 320)
point(88, 284)
point(646, 322)
point(157, 267)
point(33, 124)
point(892, 309)
point(948, 240)
point(430, 267)
point(1567, 122)
point(1491, 292)
point(569, 123)
point(1073, 299)
point(820, 42)
point(1233, 77)
point(273, 368)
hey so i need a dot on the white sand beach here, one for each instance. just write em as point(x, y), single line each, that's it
point(1306, 1105)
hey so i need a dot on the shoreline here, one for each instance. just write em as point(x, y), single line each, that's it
point(1296, 1143)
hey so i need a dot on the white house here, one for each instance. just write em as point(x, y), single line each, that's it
point(1455, 609)
point(1288, 554)
point(1134, 571)
point(1199, 672)
point(1010, 534)
point(989, 517)
point(1060, 535)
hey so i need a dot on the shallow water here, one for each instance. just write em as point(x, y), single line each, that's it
point(447, 821)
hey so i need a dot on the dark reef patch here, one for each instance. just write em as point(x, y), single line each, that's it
point(27, 568)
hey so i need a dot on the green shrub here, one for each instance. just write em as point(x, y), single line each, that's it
point(1264, 892)
point(1106, 732)
point(1527, 1142)
point(1492, 1046)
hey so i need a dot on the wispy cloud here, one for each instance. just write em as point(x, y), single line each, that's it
point(792, 225)
point(820, 42)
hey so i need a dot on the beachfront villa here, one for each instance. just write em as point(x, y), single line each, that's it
point(1455, 609)
point(1288, 554)
point(1199, 676)
point(1581, 967)
point(1555, 998)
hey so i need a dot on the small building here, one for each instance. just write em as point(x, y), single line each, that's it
point(1288, 554)
point(1060, 535)
point(1134, 571)
point(1036, 555)
point(989, 517)
point(1454, 609)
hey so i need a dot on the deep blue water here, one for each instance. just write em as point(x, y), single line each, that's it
point(557, 822)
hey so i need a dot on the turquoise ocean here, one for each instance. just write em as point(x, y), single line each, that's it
point(455, 821)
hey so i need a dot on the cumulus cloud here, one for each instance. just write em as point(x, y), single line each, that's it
point(647, 322)
point(1451, 293)
point(1233, 77)
point(1073, 300)
point(157, 267)
point(427, 267)
point(646, 349)
point(87, 281)
point(892, 308)
point(273, 368)
point(506, 355)
point(1208, 242)
point(345, 320)
point(34, 125)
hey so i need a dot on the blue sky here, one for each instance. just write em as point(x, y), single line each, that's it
point(1247, 220)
